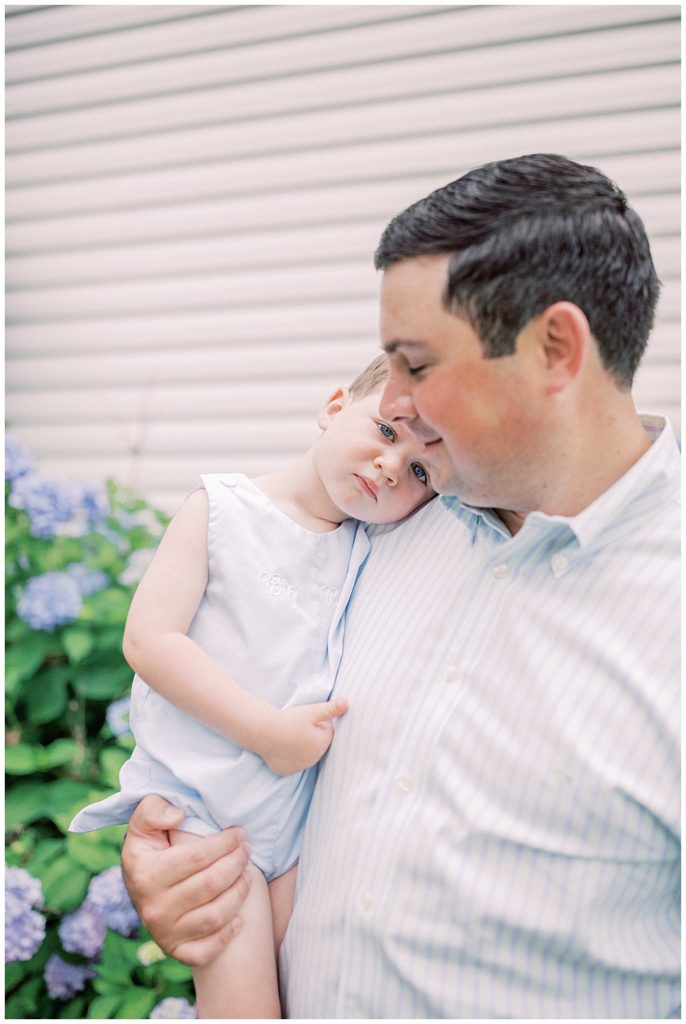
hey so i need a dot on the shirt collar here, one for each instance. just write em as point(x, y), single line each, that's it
point(653, 479)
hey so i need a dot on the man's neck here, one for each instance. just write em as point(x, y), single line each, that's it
point(593, 461)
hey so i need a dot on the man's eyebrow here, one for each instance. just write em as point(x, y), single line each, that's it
point(390, 347)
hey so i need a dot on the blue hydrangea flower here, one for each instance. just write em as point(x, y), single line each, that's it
point(117, 716)
point(108, 893)
point(89, 581)
point(24, 929)
point(24, 886)
point(18, 462)
point(48, 502)
point(95, 504)
point(173, 1009)
point(83, 931)
point(63, 980)
point(49, 600)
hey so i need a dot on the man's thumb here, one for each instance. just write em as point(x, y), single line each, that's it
point(154, 814)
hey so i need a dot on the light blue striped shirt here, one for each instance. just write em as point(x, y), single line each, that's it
point(495, 830)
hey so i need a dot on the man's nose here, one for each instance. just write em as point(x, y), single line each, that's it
point(396, 403)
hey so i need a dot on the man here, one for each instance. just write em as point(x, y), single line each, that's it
point(495, 830)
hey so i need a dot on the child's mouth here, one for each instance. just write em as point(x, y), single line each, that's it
point(368, 486)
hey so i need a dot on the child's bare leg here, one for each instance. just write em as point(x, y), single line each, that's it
point(281, 894)
point(242, 981)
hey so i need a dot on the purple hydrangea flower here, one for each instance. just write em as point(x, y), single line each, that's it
point(117, 716)
point(108, 893)
point(24, 886)
point(173, 1009)
point(89, 580)
point(83, 931)
point(63, 980)
point(18, 462)
point(24, 929)
point(48, 502)
point(49, 600)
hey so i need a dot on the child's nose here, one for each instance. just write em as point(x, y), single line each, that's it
point(389, 464)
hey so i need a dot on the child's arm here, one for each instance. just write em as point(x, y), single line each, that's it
point(158, 649)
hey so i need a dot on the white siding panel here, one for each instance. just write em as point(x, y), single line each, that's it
point(194, 195)
point(340, 86)
point(451, 153)
point(319, 205)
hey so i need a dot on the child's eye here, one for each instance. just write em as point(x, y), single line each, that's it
point(387, 431)
point(420, 473)
point(415, 371)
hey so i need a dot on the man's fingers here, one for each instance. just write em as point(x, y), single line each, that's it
point(186, 861)
point(204, 886)
point(201, 952)
point(213, 917)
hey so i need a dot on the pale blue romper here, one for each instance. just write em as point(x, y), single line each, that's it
point(272, 617)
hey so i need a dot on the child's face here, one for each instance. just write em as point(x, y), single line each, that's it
point(371, 468)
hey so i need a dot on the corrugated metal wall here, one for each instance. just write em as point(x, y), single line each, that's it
point(194, 195)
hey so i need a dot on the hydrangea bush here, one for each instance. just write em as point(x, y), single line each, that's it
point(74, 946)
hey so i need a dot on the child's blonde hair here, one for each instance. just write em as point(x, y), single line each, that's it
point(370, 379)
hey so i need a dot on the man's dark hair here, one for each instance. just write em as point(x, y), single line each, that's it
point(528, 232)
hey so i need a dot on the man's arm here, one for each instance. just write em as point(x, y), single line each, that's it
point(187, 896)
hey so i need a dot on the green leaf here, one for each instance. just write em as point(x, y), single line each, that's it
point(111, 760)
point(108, 607)
point(64, 883)
point(24, 803)
point(172, 970)
point(74, 1009)
point(93, 852)
point(58, 753)
point(22, 661)
point(78, 643)
point(104, 680)
point(47, 697)
point(22, 759)
point(137, 1003)
point(103, 1007)
point(14, 972)
point(65, 797)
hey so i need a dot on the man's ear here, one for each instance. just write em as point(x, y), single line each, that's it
point(564, 337)
point(337, 401)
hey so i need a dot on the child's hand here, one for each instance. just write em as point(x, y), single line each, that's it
point(301, 736)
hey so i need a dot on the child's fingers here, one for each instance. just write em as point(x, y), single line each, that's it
point(332, 709)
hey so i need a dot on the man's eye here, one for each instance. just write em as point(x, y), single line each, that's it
point(420, 473)
point(387, 431)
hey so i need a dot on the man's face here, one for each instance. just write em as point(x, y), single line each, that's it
point(476, 416)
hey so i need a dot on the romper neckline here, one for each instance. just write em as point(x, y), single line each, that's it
point(266, 500)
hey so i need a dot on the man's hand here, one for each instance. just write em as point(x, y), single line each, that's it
point(301, 736)
point(188, 896)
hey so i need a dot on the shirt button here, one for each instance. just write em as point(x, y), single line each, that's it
point(500, 570)
point(404, 784)
point(450, 674)
point(560, 562)
point(366, 901)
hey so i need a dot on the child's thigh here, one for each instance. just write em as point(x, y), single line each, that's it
point(281, 894)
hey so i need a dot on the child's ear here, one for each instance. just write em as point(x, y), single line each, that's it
point(337, 401)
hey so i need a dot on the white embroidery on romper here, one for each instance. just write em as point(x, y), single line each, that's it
point(329, 595)
point(277, 586)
